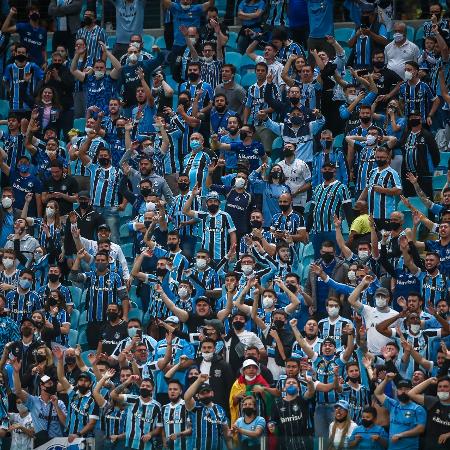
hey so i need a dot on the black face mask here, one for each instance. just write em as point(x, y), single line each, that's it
point(191, 380)
point(395, 226)
point(404, 398)
point(354, 379)
point(56, 66)
point(278, 324)
point(51, 390)
point(292, 288)
point(296, 120)
point(284, 208)
point(161, 272)
point(366, 423)
point(256, 223)
point(232, 131)
point(53, 277)
point(294, 101)
point(248, 411)
point(414, 122)
point(144, 392)
point(213, 208)
point(328, 144)
point(365, 120)
point(34, 16)
point(20, 58)
point(327, 176)
point(40, 358)
point(103, 161)
point(238, 325)
point(172, 246)
point(27, 331)
point(88, 20)
point(206, 400)
point(193, 76)
point(183, 187)
point(147, 223)
point(275, 175)
point(83, 389)
point(83, 204)
point(380, 162)
point(70, 360)
point(243, 135)
point(120, 132)
point(327, 258)
point(184, 102)
point(378, 64)
point(145, 192)
point(39, 324)
point(112, 316)
point(287, 152)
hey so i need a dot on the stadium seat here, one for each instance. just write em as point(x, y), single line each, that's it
point(443, 163)
point(74, 318)
point(82, 340)
point(343, 34)
point(233, 58)
point(111, 41)
point(80, 124)
point(410, 32)
point(247, 65)
point(127, 212)
point(124, 233)
point(248, 79)
point(76, 293)
point(305, 273)
point(84, 357)
point(73, 338)
point(127, 250)
point(4, 109)
point(232, 40)
point(160, 42)
point(338, 141)
point(135, 313)
point(82, 322)
point(309, 250)
point(149, 41)
point(419, 35)
point(439, 182)
point(416, 203)
point(49, 45)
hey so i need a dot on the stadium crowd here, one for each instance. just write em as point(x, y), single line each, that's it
point(213, 239)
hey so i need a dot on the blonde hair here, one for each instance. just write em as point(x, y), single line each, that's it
point(345, 429)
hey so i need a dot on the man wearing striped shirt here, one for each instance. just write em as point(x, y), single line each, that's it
point(93, 34)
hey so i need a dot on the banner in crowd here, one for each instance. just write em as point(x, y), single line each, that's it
point(62, 444)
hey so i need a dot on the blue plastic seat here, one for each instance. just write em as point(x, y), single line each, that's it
point(111, 41)
point(343, 34)
point(79, 124)
point(443, 163)
point(247, 65)
point(77, 294)
point(248, 79)
point(439, 182)
point(74, 318)
point(84, 357)
point(160, 42)
point(233, 58)
point(419, 35)
point(82, 321)
point(149, 41)
point(309, 250)
point(4, 109)
point(416, 203)
point(135, 313)
point(73, 338)
point(124, 232)
point(232, 40)
point(338, 141)
point(127, 250)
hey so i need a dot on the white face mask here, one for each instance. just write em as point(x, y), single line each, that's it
point(183, 292)
point(156, 127)
point(50, 153)
point(351, 275)
point(398, 37)
point(443, 396)
point(22, 409)
point(408, 75)
point(207, 59)
point(239, 182)
point(193, 40)
point(150, 206)
point(371, 139)
point(267, 302)
point(98, 74)
point(333, 311)
point(380, 302)
point(415, 328)
point(352, 97)
point(132, 58)
point(6, 202)
point(74, 140)
point(88, 130)
point(8, 263)
point(185, 7)
point(247, 269)
point(363, 255)
point(207, 356)
point(50, 212)
point(249, 378)
point(200, 263)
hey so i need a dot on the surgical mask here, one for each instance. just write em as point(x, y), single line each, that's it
point(380, 302)
point(352, 98)
point(50, 212)
point(363, 255)
point(247, 269)
point(249, 378)
point(398, 37)
point(207, 356)
point(267, 302)
point(415, 328)
point(213, 208)
point(6, 202)
point(371, 139)
point(200, 263)
point(98, 74)
point(185, 7)
point(22, 408)
point(333, 311)
point(207, 59)
point(88, 130)
point(23, 168)
point(8, 263)
point(25, 283)
point(193, 40)
point(132, 332)
point(101, 266)
point(132, 58)
point(443, 396)
point(292, 390)
point(195, 144)
point(351, 275)
point(50, 153)
point(239, 182)
point(408, 76)
point(150, 206)
point(183, 292)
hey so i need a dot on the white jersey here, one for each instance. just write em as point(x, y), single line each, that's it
point(19, 439)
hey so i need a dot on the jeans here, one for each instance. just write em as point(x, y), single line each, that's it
point(111, 216)
point(323, 416)
point(318, 238)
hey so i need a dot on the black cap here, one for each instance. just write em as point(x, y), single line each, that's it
point(204, 387)
point(414, 112)
point(329, 340)
point(202, 298)
point(84, 194)
point(104, 226)
point(328, 164)
point(84, 375)
point(404, 384)
point(26, 319)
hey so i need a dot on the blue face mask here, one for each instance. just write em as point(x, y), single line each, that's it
point(195, 144)
point(292, 390)
point(24, 283)
point(23, 168)
point(132, 332)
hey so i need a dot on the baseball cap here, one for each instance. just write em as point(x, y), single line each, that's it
point(104, 226)
point(342, 404)
point(204, 387)
point(213, 195)
point(173, 319)
point(414, 112)
point(328, 164)
point(382, 291)
point(404, 384)
point(84, 194)
point(84, 375)
point(202, 298)
point(247, 363)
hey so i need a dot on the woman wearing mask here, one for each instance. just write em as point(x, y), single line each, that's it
point(43, 362)
point(249, 428)
point(394, 124)
point(21, 427)
point(55, 309)
point(39, 265)
point(49, 234)
point(342, 427)
point(49, 109)
point(271, 189)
